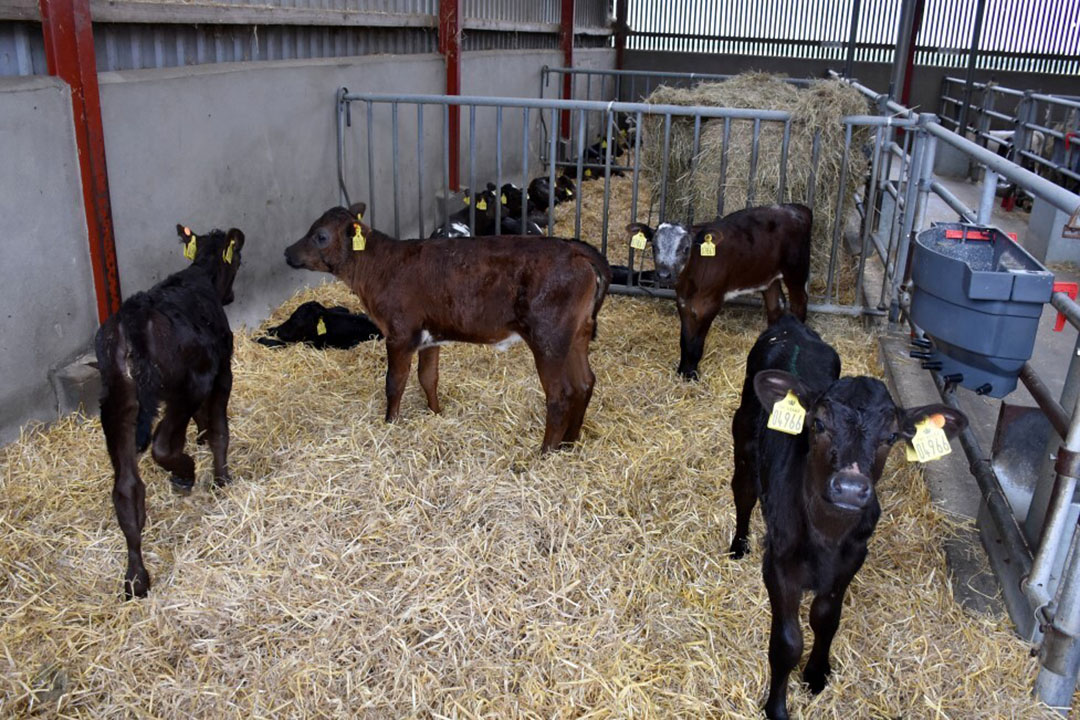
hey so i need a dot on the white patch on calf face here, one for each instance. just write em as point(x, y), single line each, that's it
point(671, 249)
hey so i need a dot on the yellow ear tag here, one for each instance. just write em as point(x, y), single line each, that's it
point(320, 328)
point(787, 415)
point(227, 255)
point(503, 198)
point(189, 249)
point(708, 248)
point(638, 241)
point(359, 242)
point(622, 132)
point(588, 173)
point(481, 204)
point(603, 145)
point(930, 441)
point(467, 200)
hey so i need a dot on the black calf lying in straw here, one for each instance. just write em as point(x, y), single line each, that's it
point(322, 327)
point(171, 344)
point(816, 485)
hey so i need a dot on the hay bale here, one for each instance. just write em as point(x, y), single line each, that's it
point(816, 109)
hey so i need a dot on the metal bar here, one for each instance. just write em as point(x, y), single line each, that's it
point(910, 200)
point(849, 65)
point(608, 138)
point(450, 47)
point(693, 169)
point(370, 164)
point(498, 170)
point(830, 308)
point(664, 167)
point(580, 176)
point(342, 109)
point(69, 54)
point(621, 32)
point(755, 145)
point(472, 169)
point(634, 190)
point(966, 214)
point(973, 54)
point(986, 199)
point(525, 170)
point(868, 217)
point(838, 222)
point(566, 41)
point(1045, 399)
point(782, 190)
point(446, 165)
point(1060, 653)
point(395, 157)
point(721, 189)
point(420, 167)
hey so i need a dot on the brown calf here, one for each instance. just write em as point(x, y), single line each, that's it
point(171, 344)
point(496, 290)
point(752, 250)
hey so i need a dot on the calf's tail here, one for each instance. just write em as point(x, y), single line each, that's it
point(603, 281)
point(123, 352)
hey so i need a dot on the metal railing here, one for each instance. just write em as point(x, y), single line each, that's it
point(1040, 131)
point(1042, 606)
point(509, 151)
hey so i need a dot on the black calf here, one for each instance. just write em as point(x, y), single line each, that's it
point(170, 344)
point(816, 487)
point(323, 327)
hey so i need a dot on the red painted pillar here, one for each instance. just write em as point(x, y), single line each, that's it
point(450, 47)
point(621, 33)
point(566, 34)
point(69, 53)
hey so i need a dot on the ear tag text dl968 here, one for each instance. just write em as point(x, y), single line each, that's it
point(930, 441)
point(638, 241)
point(787, 415)
point(359, 242)
point(708, 247)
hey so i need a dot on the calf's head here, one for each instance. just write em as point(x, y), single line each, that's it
point(216, 252)
point(850, 428)
point(671, 243)
point(328, 243)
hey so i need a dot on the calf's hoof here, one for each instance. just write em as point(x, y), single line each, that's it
point(688, 374)
point(776, 711)
point(181, 486)
point(739, 548)
point(136, 584)
point(223, 480)
point(816, 678)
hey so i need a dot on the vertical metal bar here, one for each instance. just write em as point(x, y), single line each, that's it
point(869, 204)
point(608, 139)
point(986, 199)
point(634, 190)
point(784, 144)
point(446, 165)
point(69, 54)
point(370, 165)
point(472, 169)
point(838, 220)
point(498, 170)
point(525, 170)
point(973, 54)
point(552, 157)
point(450, 47)
point(566, 40)
point(621, 33)
point(693, 169)
point(815, 158)
point(754, 147)
point(580, 174)
point(420, 166)
point(664, 166)
point(910, 191)
point(894, 225)
point(849, 65)
point(342, 108)
point(722, 189)
point(394, 145)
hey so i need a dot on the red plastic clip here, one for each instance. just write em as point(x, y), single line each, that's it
point(1069, 288)
point(974, 235)
point(1068, 135)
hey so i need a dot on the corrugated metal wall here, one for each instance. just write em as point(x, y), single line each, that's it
point(153, 34)
point(1036, 36)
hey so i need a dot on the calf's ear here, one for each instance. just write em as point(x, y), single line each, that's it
point(771, 386)
point(951, 421)
point(235, 236)
point(635, 228)
point(183, 232)
point(358, 209)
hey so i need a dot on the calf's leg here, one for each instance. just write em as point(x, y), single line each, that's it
point(773, 296)
point(168, 444)
point(743, 487)
point(785, 638)
point(555, 381)
point(398, 359)
point(582, 380)
point(796, 285)
point(217, 431)
point(695, 326)
point(118, 410)
point(428, 372)
point(824, 621)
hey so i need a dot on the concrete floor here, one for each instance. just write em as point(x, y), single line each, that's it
point(950, 482)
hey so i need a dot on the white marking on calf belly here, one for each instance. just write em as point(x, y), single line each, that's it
point(427, 340)
point(748, 290)
point(506, 342)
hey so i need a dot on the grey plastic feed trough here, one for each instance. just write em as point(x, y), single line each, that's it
point(978, 297)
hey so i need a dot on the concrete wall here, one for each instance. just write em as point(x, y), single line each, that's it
point(925, 87)
point(48, 311)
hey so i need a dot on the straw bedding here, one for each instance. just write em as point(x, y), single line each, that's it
point(439, 567)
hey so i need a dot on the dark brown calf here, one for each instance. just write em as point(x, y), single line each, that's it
point(495, 290)
point(171, 344)
point(753, 250)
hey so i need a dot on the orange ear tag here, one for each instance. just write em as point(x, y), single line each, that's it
point(359, 242)
point(638, 241)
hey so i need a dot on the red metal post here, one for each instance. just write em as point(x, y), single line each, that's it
point(566, 34)
point(69, 54)
point(450, 47)
point(621, 32)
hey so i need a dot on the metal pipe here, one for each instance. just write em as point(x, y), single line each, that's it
point(838, 220)
point(420, 167)
point(1060, 652)
point(868, 218)
point(755, 144)
point(370, 165)
point(986, 199)
point(849, 65)
point(342, 107)
point(966, 214)
point(973, 54)
point(723, 168)
point(498, 170)
point(394, 170)
point(1053, 410)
